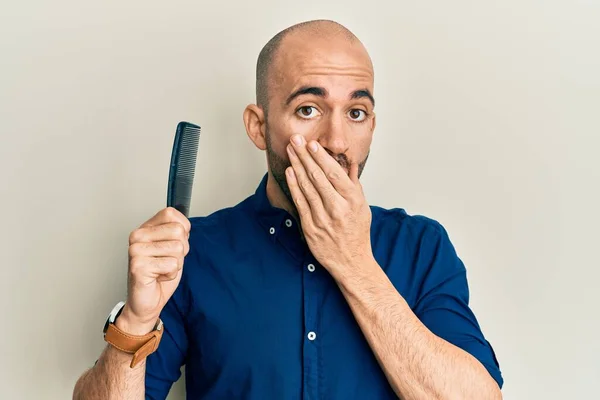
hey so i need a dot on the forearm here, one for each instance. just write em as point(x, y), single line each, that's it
point(417, 363)
point(112, 378)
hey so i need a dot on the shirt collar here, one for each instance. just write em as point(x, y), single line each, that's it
point(278, 223)
point(268, 216)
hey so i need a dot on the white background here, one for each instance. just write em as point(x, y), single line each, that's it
point(488, 121)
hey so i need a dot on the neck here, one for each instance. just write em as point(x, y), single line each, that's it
point(277, 198)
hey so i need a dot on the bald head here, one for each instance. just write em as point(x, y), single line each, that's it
point(316, 80)
point(287, 40)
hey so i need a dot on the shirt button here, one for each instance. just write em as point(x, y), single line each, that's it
point(311, 267)
point(288, 223)
point(312, 336)
point(272, 230)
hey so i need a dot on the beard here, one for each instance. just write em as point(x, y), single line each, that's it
point(278, 165)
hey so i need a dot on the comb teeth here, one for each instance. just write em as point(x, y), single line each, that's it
point(183, 166)
point(188, 151)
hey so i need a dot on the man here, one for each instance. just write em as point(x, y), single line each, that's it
point(302, 290)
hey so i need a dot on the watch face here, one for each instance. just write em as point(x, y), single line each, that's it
point(106, 325)
point(113, 315)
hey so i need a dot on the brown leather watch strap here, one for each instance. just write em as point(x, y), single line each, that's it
point(140, 346)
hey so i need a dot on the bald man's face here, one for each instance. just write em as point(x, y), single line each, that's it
point(322, 89)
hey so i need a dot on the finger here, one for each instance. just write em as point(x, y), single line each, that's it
point(168, 231)
point(332, 170)
point(140, 267)
point(165, 248)
point(300, 201)
point(170, 276)
point(167, 215)
point(304, 183)
point(314, 171)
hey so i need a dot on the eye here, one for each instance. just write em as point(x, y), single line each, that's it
point(307, 112)
point(357, 115)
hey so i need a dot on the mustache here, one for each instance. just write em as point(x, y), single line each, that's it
point(341, 159)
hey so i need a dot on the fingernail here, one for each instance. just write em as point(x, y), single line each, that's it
point(290, 172)
point(313, 147)
point(291, 150)
point(297, 139)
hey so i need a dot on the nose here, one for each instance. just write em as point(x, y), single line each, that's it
point(334, 135)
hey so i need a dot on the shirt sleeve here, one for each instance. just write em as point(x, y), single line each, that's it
point(163, 367)
point(443, 303)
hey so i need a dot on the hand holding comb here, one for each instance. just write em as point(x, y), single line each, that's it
point(182, 167)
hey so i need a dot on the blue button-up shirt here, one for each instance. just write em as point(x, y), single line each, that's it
point(257, 317)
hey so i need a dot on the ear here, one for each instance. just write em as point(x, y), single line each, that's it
point(255, 123)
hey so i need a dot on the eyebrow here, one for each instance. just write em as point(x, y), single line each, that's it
point(359, 94)
point(322, 92)
point(315, 91)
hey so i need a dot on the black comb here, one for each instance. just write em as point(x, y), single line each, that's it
point(183, 166)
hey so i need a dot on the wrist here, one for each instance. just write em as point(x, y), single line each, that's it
point(128, 323)
point(355, 268)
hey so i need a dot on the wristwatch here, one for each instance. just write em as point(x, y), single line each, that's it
point(140, 346)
